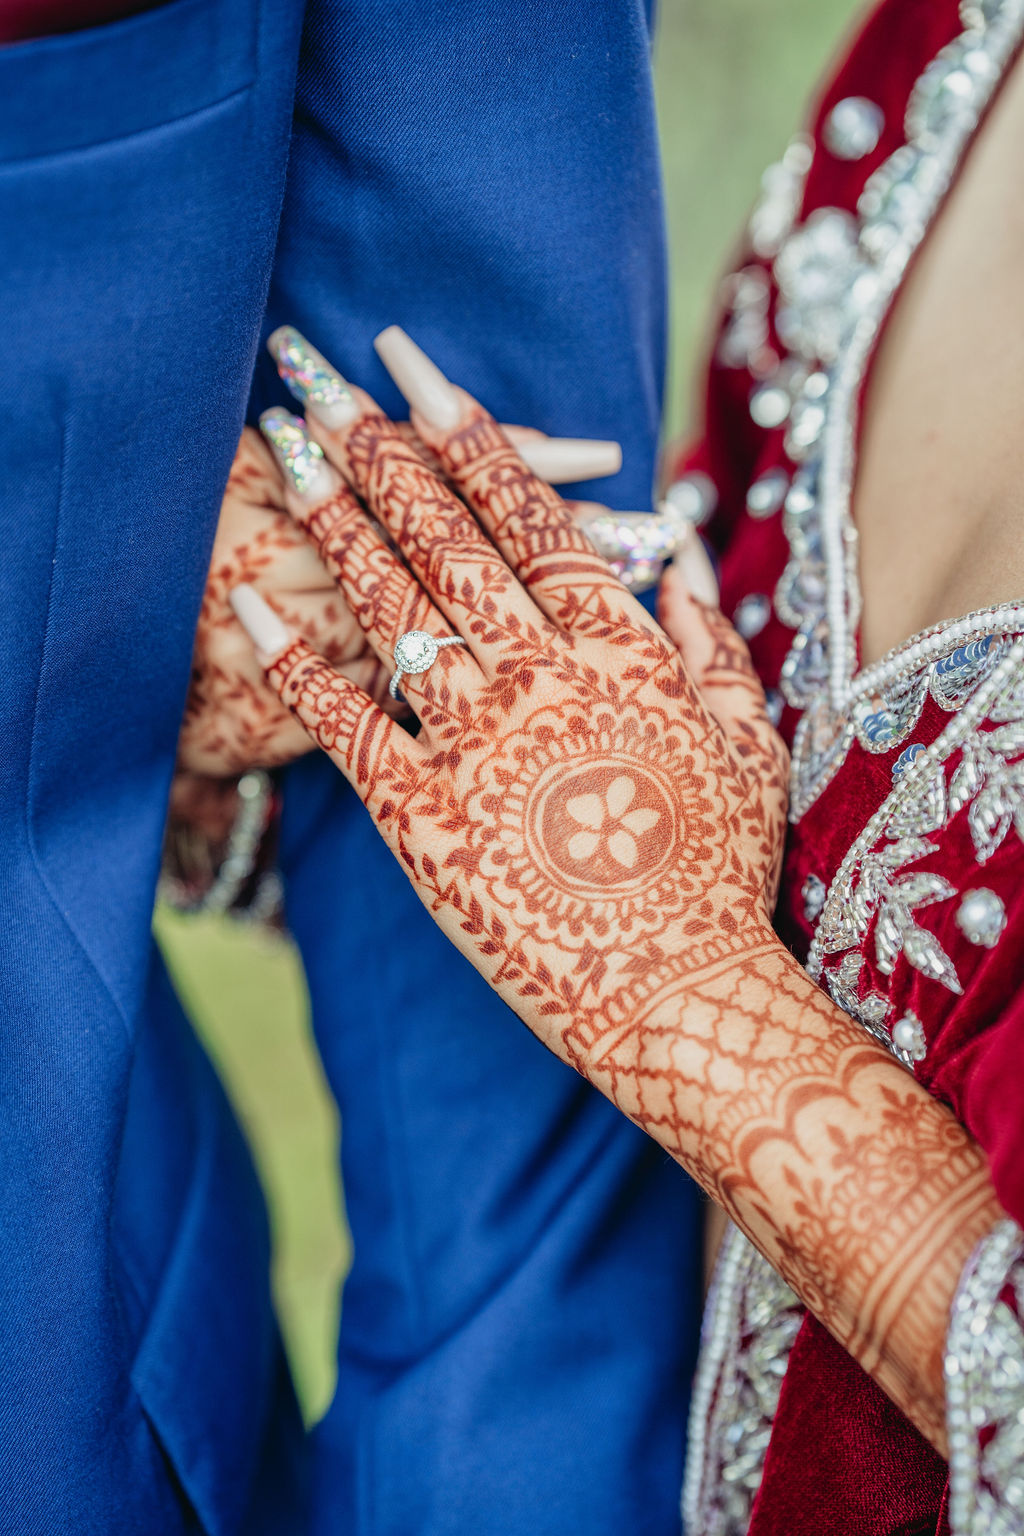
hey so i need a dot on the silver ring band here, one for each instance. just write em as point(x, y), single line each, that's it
point(415, 653)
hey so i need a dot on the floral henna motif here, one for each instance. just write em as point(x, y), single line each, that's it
point(692, 1020)
point(589, 830)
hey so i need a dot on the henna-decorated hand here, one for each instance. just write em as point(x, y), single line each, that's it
point(579, 810)
point(596, 821)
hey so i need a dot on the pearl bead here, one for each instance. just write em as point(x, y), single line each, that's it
point(853, 128)
point(769, 406)
point(766, 495)
point(908, 1036)
point(981, 917)
point(752, 614)
point(813, 893)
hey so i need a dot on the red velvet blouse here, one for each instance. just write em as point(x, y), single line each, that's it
point(903, 887)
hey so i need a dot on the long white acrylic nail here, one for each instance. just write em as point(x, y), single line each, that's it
point(259, 620)
point(558, 459)
point(421, 381)
point(311, 379)
point(694, 565)
point(301, 459)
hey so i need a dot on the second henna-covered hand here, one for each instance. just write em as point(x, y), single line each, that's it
point(596, 820)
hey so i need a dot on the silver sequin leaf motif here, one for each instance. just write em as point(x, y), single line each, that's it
point(892, 898)
point(987, 781)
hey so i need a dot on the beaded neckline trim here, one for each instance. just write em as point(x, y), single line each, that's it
point(837, 276)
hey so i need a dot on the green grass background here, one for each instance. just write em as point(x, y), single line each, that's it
point(733, 77)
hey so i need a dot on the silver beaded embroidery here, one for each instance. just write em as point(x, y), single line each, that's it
point(743, 343)
point(984, 1370)
point(870, 1009)
point(873, 881)
point(908, 1037)
point(782, 190)
point(837, 275)
point(751, 1322)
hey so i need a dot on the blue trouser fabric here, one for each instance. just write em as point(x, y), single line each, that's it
point(518, 1327)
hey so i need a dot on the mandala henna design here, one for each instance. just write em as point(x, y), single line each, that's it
point(588, 829)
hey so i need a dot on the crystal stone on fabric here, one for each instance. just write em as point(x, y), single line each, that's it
point(853, 127)
point(415, 652)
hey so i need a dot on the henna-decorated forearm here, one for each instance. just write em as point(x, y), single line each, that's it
point(865, 1193)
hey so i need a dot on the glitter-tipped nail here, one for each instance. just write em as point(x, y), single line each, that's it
point(311, 378)
point(300, 458)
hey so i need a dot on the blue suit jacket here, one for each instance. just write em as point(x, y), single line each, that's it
point(519, 1322)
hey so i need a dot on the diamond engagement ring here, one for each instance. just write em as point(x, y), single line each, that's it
point(416, 652)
